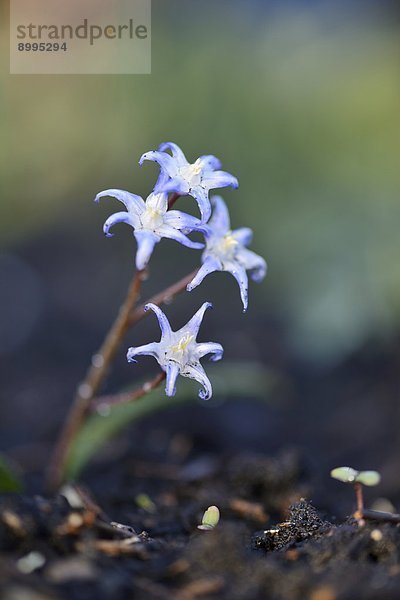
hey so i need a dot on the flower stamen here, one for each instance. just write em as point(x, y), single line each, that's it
point(192, 173)
point(183, 343)
point(152, 217)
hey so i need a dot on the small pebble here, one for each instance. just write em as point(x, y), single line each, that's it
point(75, 520)
point(376, 535)
point(72, 496)
point(30, 562)
point(323, 593)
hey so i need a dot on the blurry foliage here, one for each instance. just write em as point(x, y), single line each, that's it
point(9, 482)
point(302, 106)
point(233, 380)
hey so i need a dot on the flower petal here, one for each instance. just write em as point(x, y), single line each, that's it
point(196, 371)
point(172, 371)
point(175, 184)
point(174, 234)
point(252, 262)
point(201, 196)
point(119, 217)
point(210, 264)
point(210, 162)
point(218, 179)
point(157, 201)
point(166, 162)
point(150, 349)
point(239, 273)
point(243, 235)
point(165, 327)
point(176, 153)
point(192, 327)
point(183, 221)
point(134, 204)
point(220, 222)
point(162, 179)
point(146, 242)
point(213, 348)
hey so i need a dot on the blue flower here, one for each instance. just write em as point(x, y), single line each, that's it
point(226, 251)
point(178, 353)
point(178, 175)
point(151, 221)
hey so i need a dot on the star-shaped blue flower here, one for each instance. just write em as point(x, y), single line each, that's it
point(226, 251)
point(180, 176)
point(178, 353)
point(151, 221)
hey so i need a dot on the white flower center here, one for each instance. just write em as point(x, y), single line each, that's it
point(225, 247)
point(152, 218)
point(192, 173)
point(183, 343)
point(179, 352)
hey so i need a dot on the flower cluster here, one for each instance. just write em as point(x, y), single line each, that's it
point(178, 353)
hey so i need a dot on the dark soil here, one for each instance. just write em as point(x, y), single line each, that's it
point(270, 543)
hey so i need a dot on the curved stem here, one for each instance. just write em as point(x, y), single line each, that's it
point(359, 497)
point(92, 382)
point(164, 297)
point(97, 372)
point(174, 197)
point(358, 515)
point(103, 403)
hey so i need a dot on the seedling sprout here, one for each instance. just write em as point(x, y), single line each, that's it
point(358, 479)
point(210, 519)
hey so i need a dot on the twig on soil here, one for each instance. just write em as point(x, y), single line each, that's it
point(132, 546)
point(125, 530)
point(249, 510)
point(14, 523)
point(376, 515)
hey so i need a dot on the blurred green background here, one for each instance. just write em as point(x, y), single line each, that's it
point(299, 100)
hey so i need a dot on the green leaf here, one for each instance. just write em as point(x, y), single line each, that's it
point(369, 478)
point(345, 474)
point(145, 502)
point(9, 482)
point(229, 379)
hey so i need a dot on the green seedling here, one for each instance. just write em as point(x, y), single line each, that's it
point(358, 479)
point(210, 519)
point(145, 502)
